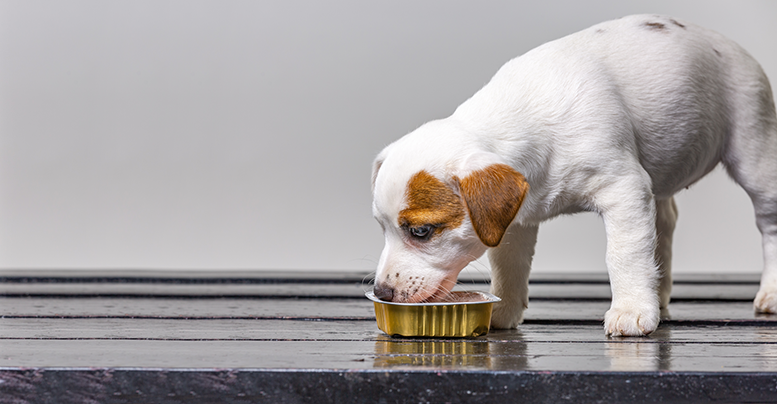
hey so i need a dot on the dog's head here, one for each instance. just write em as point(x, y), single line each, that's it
point(440, 206)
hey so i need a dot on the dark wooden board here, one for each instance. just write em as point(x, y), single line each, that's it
point(282, 386)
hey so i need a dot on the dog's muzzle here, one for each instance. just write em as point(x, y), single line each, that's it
point(385, 293)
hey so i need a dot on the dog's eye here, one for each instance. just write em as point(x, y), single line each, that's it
point(422, 232)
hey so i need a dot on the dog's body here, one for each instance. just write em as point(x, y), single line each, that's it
point(614, 119)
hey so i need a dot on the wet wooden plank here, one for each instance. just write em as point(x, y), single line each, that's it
point(188, 308)
point(589, 291)
point(270, 276)
point(333, 290)
point(343, 330)
point(353, 309)
point(180, 276)
point(387, 353)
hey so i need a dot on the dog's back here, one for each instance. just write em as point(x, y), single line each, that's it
point(677, 90)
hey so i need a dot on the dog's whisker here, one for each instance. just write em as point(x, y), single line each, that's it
point(366, 259)
point(480, 268)
point(425, 289)
point(446, 292)
point(368, 281)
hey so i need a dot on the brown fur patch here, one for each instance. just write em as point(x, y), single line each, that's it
point(655, 26)
point(430, 201)
point(677, 23)
point(493, 196)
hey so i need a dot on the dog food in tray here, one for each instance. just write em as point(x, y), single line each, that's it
point(463, 314)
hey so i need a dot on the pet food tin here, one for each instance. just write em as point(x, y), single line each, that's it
point(445, 319)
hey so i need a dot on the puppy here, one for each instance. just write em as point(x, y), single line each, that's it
point(615, 120)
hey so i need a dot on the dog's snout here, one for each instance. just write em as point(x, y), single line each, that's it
point(384, 292)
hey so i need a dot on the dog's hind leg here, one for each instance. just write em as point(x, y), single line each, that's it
point(751, 159)
point(760, 181)
point(510, 267)
point(666, 217)
point(766, 299)
point(761, 185)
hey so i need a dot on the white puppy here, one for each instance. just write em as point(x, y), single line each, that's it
point(614, 119)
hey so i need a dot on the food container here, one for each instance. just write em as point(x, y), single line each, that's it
point(447, 319)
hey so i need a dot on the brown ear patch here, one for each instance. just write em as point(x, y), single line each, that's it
point(493, 196)
point(430, 201)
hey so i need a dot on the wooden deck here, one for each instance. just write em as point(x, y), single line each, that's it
point(174, 337)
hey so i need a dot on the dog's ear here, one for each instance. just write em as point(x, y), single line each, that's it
point(493, 195)
point(376, 167)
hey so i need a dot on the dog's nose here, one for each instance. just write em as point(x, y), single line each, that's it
point(383, 292)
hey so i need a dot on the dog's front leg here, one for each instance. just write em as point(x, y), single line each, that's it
point(510, 266)
point(631, 241)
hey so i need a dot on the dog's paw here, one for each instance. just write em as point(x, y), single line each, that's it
point(765, 301)
point(630, 323)
point(504, 319)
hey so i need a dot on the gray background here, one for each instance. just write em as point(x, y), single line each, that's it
point(239, 135)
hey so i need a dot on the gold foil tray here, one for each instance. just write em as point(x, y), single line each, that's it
point(449, 319)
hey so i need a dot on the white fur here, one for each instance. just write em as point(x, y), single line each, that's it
point(614, 119)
